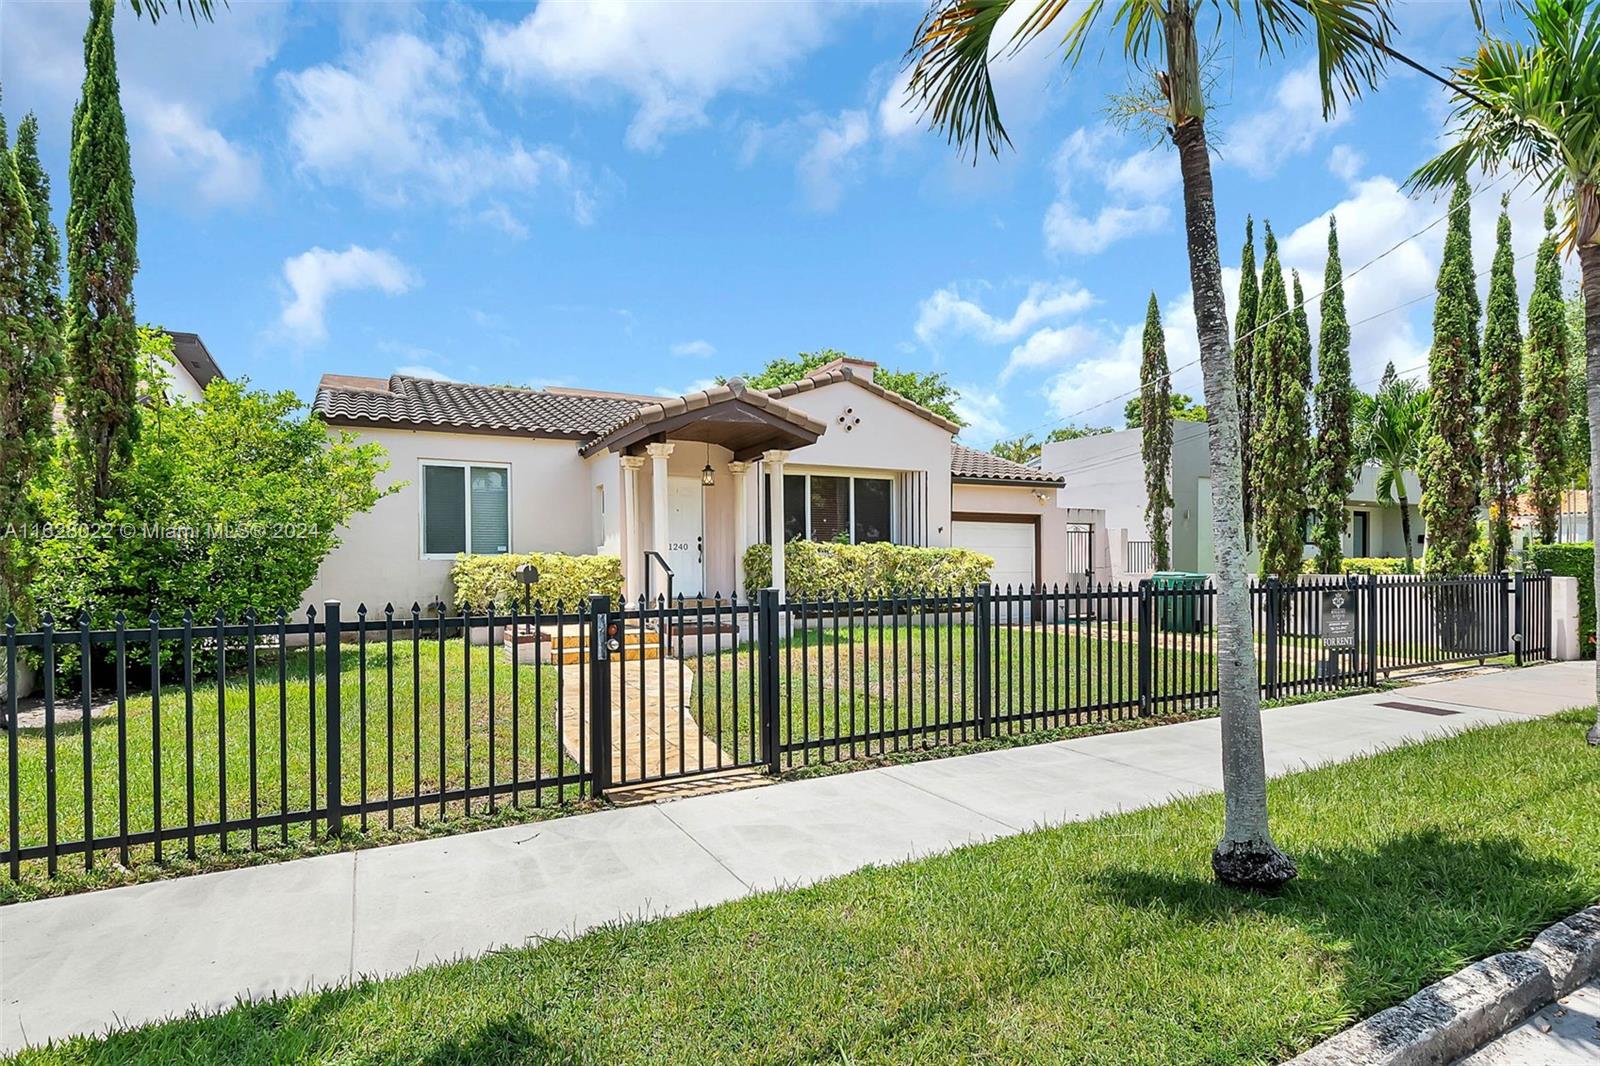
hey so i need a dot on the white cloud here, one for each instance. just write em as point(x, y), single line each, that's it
point(1130, 189)
point(1290, 124)
point(1051, 346)
point(984, 413)
point(672, 59)
point(697, 385)
point(948, 313)
point(697, 348)
point(179, 83)
point(897, 115)
point(1095, 386)
point(1345, 162)
point(830, 158)
point(316, 275)
point(178, 141)
point(423, 372)
point(396, 121)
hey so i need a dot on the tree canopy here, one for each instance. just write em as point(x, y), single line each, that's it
point(931, 390)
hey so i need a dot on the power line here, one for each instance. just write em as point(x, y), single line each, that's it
point(1258, 327)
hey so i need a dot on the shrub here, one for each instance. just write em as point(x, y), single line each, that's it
point(814, 569)
point(1571, 560)
point(1372, 566)
point(482, 580)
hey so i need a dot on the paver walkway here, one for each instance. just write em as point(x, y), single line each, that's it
point(128, 955)
point(653, 728)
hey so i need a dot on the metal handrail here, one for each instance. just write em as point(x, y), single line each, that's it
point(657, 556)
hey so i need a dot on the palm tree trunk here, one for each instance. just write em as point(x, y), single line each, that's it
point(1589, 259)
point(1405, 528)
point(1246, 857)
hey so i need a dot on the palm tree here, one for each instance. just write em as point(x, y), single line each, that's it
point(1391, 427)
point(1533, 105)
point(195, 9)
point(951, 78)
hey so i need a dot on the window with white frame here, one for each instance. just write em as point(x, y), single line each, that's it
point(835, 507)
point(466, 507)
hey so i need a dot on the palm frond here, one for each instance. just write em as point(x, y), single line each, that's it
point(951, 80)
point(195, 9)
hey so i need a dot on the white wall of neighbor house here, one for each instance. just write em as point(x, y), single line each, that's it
point(380, 559)
point(1106, 472)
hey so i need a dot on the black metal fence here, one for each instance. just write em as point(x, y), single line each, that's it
point(151, 742)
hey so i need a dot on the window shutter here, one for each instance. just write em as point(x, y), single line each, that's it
point(444, 510)
point(491, 518)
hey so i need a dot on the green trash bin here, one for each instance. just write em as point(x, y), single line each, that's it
point(1178, 614)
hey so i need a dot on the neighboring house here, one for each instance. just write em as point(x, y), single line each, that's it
point(1106, 471)
point(1572, 521)
point(194, 368)
point(491, 469)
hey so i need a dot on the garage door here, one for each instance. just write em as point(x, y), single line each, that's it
point(1009, 544)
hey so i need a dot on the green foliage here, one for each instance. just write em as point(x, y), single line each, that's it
point(1547, 402)
point(1017, 449)
point(1458, 250)
point(815, 569)
point(1372, 566)
point(1184, 409)
point(30, 358)
point(1571, 560)
point(1244, 344)
point(102, 256)
point(1282, 361)
point(564, 580)
point(1333, 468)
point(1450, 464)
point(227, 504)
point(930, 390)
point(1577, 392)
point(1156, 439)
point(1500, 394)
point(1391, 429)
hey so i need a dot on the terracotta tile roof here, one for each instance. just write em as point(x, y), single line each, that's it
point(837, 371)
point(969, 464)
point(422, 402)
point(733, 389)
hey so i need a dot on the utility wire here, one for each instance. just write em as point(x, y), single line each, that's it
point(1258, 327)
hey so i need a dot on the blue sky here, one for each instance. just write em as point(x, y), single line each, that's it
point(642, 196)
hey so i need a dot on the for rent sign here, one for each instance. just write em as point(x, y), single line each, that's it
point(1338, 620)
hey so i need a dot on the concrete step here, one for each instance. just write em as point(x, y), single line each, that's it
point(632, 653)
point(578, 638)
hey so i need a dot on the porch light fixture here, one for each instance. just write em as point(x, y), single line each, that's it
point(707, 477)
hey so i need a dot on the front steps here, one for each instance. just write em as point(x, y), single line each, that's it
point(572, 647)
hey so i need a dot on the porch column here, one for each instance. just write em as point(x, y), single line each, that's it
point(658, 454)
point(631, 465)
point(741, 520)
point(773, 462)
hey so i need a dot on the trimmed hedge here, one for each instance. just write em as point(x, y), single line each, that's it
point(565, 579)
point(1372, 566)
point(816, 569)
point(1571, 560)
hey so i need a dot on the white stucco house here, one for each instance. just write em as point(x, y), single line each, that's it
point(193, 366)
point(1106, 472)
point(489, 469)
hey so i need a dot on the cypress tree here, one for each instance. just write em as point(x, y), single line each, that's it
point(1281, 362)
point(1244, 340)
point(102, 256)
point(1449, 468)
point(46, 241)
point(28, 358)
point(1333, 469)
point(1500, 391)
point(1458, 248)
point(1547, 400)
point(1155, 413)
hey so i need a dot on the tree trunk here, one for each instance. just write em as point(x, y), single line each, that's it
point(1246, 857)
point(1405, 529)
point(1589, 258)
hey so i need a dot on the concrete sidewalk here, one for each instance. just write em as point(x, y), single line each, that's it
point(128, 955)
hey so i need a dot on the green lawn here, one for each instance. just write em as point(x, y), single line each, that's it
point(285, 732)
point(1092, 943)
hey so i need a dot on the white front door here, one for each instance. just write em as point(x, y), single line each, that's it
point(686, 534)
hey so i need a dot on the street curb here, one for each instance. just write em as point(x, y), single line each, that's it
point(1468, 1009)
